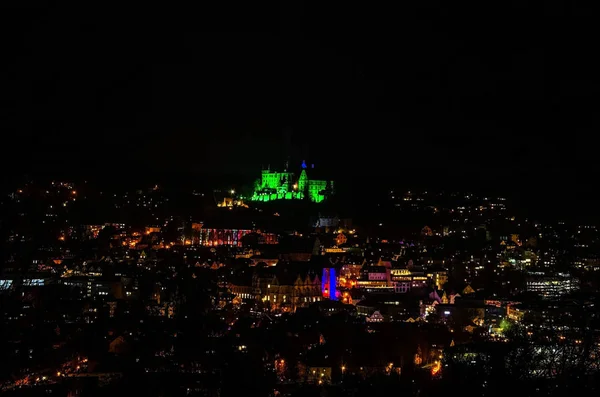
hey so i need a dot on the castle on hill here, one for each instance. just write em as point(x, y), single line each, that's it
point(287, 185)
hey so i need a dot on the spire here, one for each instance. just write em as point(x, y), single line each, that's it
point(287, 147)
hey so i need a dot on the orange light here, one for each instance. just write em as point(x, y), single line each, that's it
point(436, 368)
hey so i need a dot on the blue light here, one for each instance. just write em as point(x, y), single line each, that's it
point(332, 292)
point(304, 164)
point(328, 282)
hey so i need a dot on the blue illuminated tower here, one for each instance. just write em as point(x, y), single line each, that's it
point(328, 283)
point(332, 282)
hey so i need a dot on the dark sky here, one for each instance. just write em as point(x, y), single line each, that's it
point(504, 91)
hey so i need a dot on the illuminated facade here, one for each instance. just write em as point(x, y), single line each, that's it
point(280, 293)
point(229, 202)
point(214, 237)
point(287, 185)
point(439, 278)
point(328, 283)
point(552, 286)
point(403, 280)
point(375, 278)
point(349, 274)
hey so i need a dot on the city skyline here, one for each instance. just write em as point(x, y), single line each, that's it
point(299, 199)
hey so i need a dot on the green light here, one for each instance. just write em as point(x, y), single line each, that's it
point(284, 186)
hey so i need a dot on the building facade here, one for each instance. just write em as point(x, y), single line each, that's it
point(275, 185)
point(281, 292)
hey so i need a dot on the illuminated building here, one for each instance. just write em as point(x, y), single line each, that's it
point(439, 278)
point(334, 250)
point(349, 274)
point(328, 283)
point(287, 185)
point(32, 280)
point(110, 287)
point(515, 313)
point(549, 287)
point(92, 231)
point(375, 278)
point(404, 280)
point(214, 237)
point(280, 287)
point(230, 202)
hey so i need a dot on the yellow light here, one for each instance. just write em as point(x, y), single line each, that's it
point(436, 368)
point(74, 192)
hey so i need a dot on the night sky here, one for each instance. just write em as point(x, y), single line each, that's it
point(503, 93)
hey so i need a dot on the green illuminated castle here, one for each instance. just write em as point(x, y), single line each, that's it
point(286, 185)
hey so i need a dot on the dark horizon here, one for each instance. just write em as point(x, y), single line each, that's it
point(573, 200)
